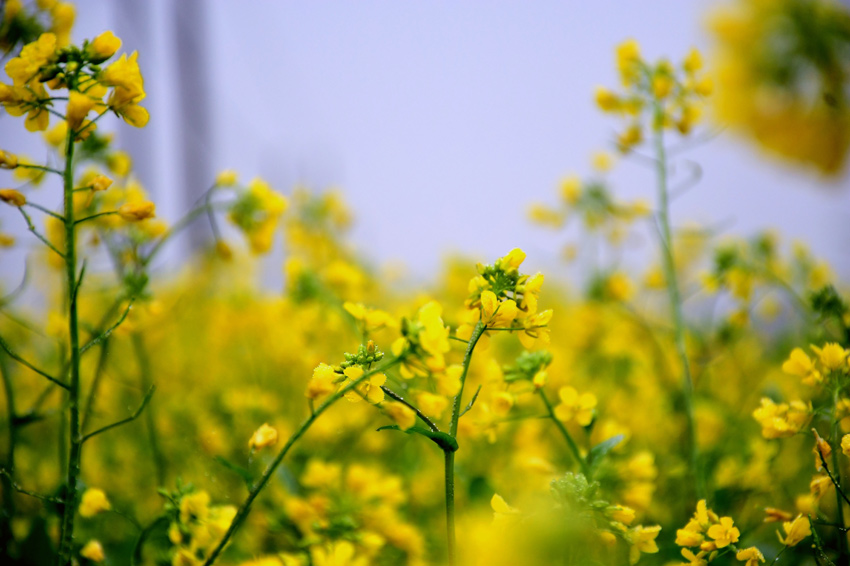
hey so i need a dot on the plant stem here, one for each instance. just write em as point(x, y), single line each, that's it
point(145, 383)
point(676, 308)
point(843, 556)
point(451, 537)
point(69, 496)
point(245, 508)
point(585, 469)
point(6, 536)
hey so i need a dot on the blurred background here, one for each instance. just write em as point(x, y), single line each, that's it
point(441, 121)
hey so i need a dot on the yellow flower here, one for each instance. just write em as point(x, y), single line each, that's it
point(137, 211)
point(340, 553)
point(621, 513)
point(782, 420)
point(845, 444)
point(101, 183)
point(571, 189)
point(694, 559)
point(536, 328)
point(12, 197)
point(799, 364)
point(93, 550)
point(126, 78)
point(832, 356)
point(752, 555)
point(502, 401)
point(263, 437)
point(323, 381)
point(8, 160)
point(573, 406)
point(724, 533)
point(370, 388)
point(25, 67)
point(643, 540)
point(79, 105)
point(227, 178)
point(795, 531)
point(691, 535)
point(103, 47)
point(606, 100)
point(93, 502)
point(502, 512)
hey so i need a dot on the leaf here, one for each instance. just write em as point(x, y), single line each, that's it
point(238, 470)
point(594, 457)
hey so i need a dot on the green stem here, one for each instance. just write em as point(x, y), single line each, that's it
point(6, 537)
point(451, 537)
point(146, 383)
point(585, 469)
point(245, 508)
point(69, 496)
point(676, 307)
point(843, 555)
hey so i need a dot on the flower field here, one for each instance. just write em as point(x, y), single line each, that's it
point(694, 412)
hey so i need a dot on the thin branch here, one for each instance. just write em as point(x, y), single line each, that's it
point(19, 489)
point(22, 361)
point(419, 413)
point(17, 290)
point(129, 419)
point(471, 403)
point(93, 216)
point(38, 234)
point(108, 331)
point(689, 183)
point(40, 168)
point(45, 210)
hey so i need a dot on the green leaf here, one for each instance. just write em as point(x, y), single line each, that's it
point(238, 470)
point(594, 457)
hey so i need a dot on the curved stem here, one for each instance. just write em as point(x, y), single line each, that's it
point(676, 307)
point(843, 558)
point(245, 508)
point(585, 469)
point(150, 423)
point(420, 414)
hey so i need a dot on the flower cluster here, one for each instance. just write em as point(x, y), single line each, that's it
point(660, 94)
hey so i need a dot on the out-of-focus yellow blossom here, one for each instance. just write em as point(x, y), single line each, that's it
point(782, 80)
point(56, 135)
point(195, 507)
point(340, 553)
point(580, 408)
point(432, 405)
point(751, 555)
point(8, 160)
point(322, 382)
point(845, 444)
point(832, 356)
point(103, 47)
point(137, 211)
point(503, 514)
point(795, 531)
point(93, 550)
point(643, 541)
point(602, 161)
point(227, 178)
point(93, 501)
point(319, 474)
point(799, 364)
point(782, 420)
point(63, 15)
point(12, 197)
point(263, 437)
point(403, 416)
point(822, 451)
point(694, 559)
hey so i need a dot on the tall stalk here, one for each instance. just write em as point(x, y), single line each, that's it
point(676, 302)
point(69, 495)
point(451, 537)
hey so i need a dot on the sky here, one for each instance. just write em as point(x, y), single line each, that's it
point(441, 121)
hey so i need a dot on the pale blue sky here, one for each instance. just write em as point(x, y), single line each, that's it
point(440, 120)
